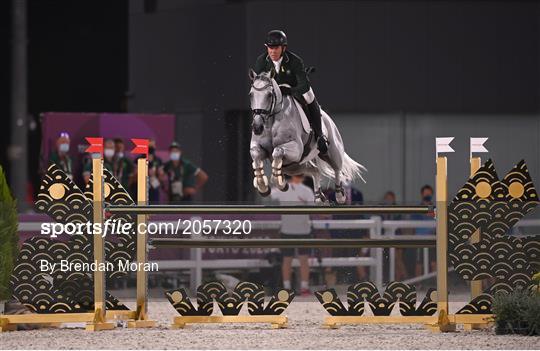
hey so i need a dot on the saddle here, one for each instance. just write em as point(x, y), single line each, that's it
point(302, 109)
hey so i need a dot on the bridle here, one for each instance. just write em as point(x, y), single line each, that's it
point(266, 113)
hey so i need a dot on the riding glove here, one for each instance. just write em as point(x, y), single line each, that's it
point(285, 90)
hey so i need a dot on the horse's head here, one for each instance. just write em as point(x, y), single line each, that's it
point(264, 96)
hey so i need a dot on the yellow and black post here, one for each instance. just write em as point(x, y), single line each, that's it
point(443, 324)
point(141, 319)
point(99, 322)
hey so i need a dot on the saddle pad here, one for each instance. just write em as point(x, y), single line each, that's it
point(304, 119)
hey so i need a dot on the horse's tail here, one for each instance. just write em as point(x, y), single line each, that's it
point(350, 169)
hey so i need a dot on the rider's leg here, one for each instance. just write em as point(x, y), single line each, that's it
point(314, 117)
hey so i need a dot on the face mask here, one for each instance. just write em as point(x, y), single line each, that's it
point(120, 154)
point(175, 156)
point(427, 198)
point(108, 153)
point(63, 148)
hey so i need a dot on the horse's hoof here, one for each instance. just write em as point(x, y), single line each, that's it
point(280, 182)
point(266, 193)
point(341, 198)
point(285, 188)
point(320, 198)
point(321, 202)
point(341, 201)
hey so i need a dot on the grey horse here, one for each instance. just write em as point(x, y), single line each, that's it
point(281, 135)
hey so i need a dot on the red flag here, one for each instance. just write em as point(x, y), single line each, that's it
point(141, 146)
point(96, 145)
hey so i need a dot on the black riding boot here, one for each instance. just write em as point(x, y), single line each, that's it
point(315, 121)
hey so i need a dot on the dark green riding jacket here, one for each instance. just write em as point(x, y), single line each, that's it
point(291, 72)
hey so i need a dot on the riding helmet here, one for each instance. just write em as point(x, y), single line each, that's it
point(174, 145)
point(276, 38)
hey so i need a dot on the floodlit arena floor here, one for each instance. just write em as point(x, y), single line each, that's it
point(304, 332)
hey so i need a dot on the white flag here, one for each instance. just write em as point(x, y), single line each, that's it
point(443, 145)
point(477, 145)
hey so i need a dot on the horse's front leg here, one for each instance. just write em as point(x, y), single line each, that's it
point(288, 151)
point(260, 181)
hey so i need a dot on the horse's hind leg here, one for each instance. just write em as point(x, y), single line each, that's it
point(341, 198)
point(336, 164)
point(334, 157)
point(319, 195)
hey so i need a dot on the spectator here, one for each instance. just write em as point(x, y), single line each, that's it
point(108, 160)
point(153, 160)
point(184, 179)
point(155, 173)
point(389, 199)
point(60, 156)
point(354, 197)
point(86, 174)
point(122, 165)
point(108, 155)
point(86, 167)
point(427, 199)
point(295, 226)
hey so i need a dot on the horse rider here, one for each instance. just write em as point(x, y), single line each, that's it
point(288, 68)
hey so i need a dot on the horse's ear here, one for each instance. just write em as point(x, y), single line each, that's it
point(252, 74)
point(272, 74)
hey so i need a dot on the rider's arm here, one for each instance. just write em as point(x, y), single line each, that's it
point(259, 64)
point(302, 82)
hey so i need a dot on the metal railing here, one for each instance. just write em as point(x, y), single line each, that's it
point(266, 209)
